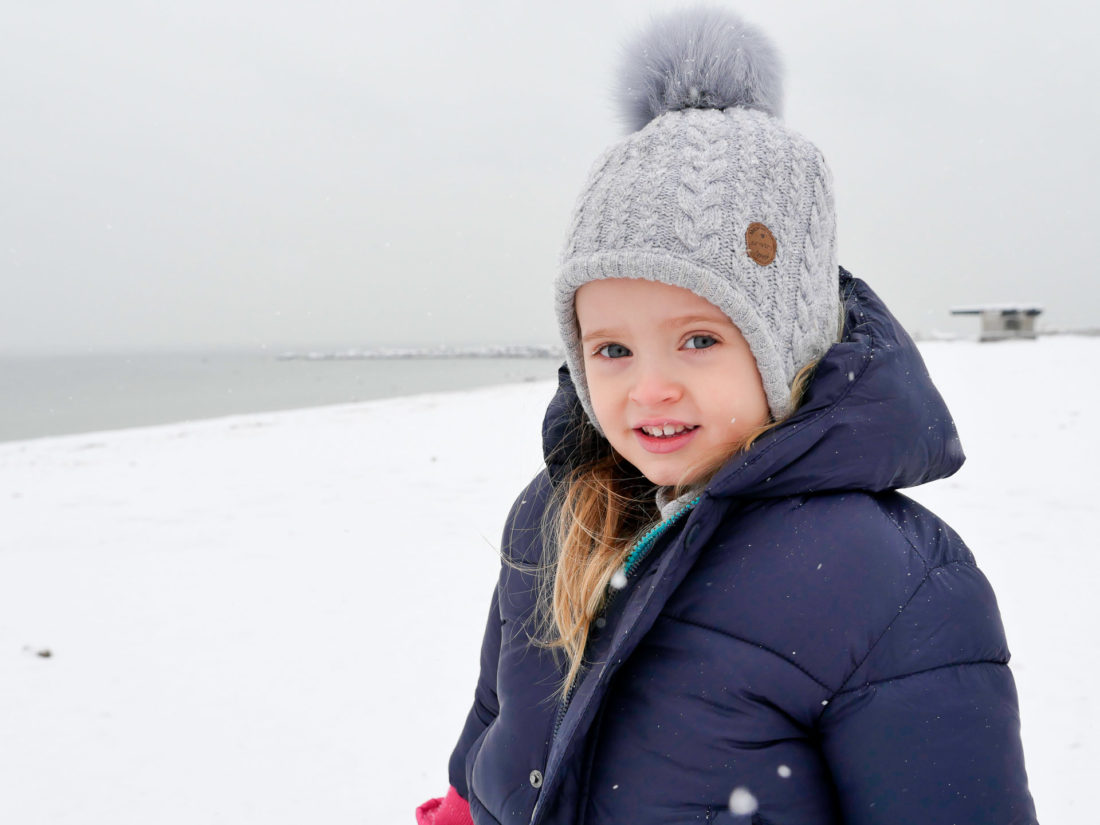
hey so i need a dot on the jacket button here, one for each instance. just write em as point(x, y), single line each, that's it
point(693, 534)
point(536, 779)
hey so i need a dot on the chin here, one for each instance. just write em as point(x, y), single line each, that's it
point(666, 476)
point(685, 472)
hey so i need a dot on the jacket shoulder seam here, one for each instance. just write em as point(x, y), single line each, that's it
point(928, 571)
point(908, 540)
point(760, 645)
point(903, 676)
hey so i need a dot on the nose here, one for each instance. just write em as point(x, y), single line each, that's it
point(654, 384)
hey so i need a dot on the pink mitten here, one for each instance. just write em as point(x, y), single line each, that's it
point(451, 809)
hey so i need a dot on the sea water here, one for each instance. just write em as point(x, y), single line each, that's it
point(56, 395)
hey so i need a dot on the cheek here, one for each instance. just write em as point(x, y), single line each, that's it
point(747, 401)
point(600, 392)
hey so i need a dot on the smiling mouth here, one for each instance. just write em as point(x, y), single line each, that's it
point(665, 438)
point(666, 430)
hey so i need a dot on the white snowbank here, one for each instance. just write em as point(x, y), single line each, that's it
point(275, 618)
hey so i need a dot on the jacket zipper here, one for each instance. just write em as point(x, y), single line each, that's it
point(630, 568)
point(563, 706)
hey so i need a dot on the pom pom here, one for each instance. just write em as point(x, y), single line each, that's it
point(701, 58)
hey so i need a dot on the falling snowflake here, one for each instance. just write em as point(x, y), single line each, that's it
point(742, 802)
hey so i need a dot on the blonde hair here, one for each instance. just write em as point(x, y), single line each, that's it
point(604, 505)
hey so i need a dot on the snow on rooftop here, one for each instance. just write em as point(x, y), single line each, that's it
point(978, 309)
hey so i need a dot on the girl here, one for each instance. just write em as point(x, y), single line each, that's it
point(714, 605)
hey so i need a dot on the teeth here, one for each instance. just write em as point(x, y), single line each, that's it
point(665, 430)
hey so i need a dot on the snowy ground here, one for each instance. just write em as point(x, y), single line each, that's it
point(275, 618)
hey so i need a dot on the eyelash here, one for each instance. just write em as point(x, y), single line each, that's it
point(600, 350)
point(703, 335)
point(602, 354)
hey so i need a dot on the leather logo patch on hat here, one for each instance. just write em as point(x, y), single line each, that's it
point(760, 243)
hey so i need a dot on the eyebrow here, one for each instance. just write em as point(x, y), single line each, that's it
point(687, 320)
point(681, 321)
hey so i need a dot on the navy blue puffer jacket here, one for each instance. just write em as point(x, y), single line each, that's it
point(807, 634)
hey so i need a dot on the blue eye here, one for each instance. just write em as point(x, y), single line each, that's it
point(700, 342)
point(613, 351)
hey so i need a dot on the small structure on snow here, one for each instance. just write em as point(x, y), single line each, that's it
point(1003, 321)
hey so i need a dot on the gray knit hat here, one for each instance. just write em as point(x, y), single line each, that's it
point(714, 194)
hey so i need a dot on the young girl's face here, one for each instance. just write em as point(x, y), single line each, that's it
point(673, 383)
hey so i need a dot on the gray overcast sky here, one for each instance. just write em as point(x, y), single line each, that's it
point(237, 173)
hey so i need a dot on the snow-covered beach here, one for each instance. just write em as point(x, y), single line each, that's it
point(275, 617)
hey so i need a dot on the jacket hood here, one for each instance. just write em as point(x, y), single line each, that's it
point(871, 418)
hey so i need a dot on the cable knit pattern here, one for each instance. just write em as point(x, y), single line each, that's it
point(699, 196)
point(580, 211)
point(650, 180)
point(672, 203)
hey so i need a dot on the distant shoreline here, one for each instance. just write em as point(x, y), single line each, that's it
point(65, 395)
point(406, 353)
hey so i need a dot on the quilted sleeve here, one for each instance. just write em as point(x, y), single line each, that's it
point(927, 728)
point(516, 544)
point(485, 706)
